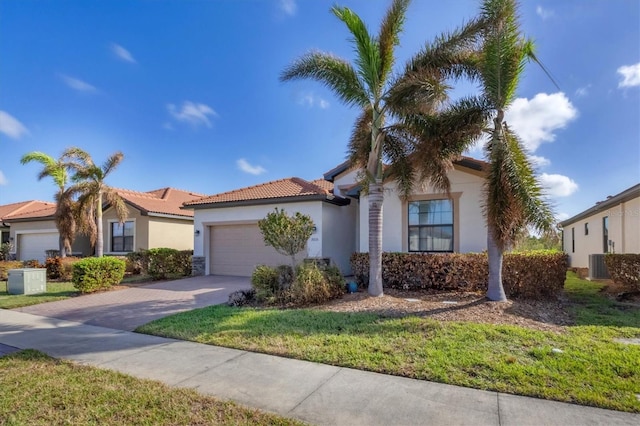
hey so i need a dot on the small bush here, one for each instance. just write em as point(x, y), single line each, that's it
point(311, 284)
point(32, 263)
point(5, 265)
point(97, 273)
point(535, 275)
point(160, 263)
point(5, 248)
point(624, 269)
point(241, 297)
point(60, 268)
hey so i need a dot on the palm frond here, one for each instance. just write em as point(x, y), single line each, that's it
point(388, 38)
point(360, 141)
point(398, 148)
point(368, 60)
point(112, 163)
point(333, 72)
point(55, 169)
point(114, 199)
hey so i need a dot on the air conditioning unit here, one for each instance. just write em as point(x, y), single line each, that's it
point(597, 267)
point(27, 281)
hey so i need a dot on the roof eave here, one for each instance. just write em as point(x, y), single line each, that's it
point(329, 198)
point(624, 196)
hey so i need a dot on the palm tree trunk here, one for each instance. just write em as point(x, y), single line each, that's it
point(99, 237)
point(495, 290)
point(375, 238)
point(62, 245)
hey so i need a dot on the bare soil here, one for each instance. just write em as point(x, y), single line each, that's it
point(453, 306)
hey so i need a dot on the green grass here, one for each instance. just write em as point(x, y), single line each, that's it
point(55, 291)
point(591, 369)
point(39, 390)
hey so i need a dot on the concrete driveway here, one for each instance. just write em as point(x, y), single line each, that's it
point(130, 308)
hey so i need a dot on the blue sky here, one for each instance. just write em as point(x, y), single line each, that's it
point(189, 90)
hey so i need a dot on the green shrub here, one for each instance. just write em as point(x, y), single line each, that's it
point(265, 282)
point(624, 269)
point(5, 248)
point(535, 274)
point(5, 265)
point(97, 273)
point(60, 267)
point(311, 284)
point(160, 263)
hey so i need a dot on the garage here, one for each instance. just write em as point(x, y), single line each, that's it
point(237, 249)
point(33, 246)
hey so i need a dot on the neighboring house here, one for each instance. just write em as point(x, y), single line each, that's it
point(228, 241)
point(154, 220)
point(32, 231)
point(612, 225)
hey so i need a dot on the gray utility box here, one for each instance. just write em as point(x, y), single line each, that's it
point(27, 281)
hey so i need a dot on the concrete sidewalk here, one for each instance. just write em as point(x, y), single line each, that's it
point(316, 393)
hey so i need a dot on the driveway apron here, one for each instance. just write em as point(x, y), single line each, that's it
point(127, 309)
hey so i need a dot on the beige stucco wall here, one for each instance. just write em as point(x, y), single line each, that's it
point(624, 232)
point(338, 240)
point(470, 232)
point(173, 233)
point(141, 237)
point(81, 245)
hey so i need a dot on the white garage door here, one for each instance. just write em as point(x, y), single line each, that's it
point(33, 246)
point(238, 249)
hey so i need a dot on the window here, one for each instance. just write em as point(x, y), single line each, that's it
point(573, 240)
point(605, 234)
point(4, 237)
point(586, 228)
point(122, 237)
point(431, 226)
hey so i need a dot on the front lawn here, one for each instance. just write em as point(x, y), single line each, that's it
point(55, 291)
point(582, 364)
point(39, 390)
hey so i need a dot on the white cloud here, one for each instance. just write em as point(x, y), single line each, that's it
point(536, 120)
point(122, 53)
point(630, 75)
point(540, 162)
point(558, 185)
point(11, 127)
point(310, 100)
point(562, 216)
point(79, 85)
point(248, 168)
point(3, 179)
point(544, 13)
point(192, 113)
point(583, 91)
point(289, 7)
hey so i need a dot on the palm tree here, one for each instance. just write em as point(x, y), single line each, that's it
point(64, 218)
point(92, 191)
point(513, 193)
point(422, 139)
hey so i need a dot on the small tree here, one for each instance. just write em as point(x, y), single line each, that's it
point(287, 234)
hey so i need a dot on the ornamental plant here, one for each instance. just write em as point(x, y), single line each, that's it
point(288, 235)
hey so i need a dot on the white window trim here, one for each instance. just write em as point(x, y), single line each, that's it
point(109, 227)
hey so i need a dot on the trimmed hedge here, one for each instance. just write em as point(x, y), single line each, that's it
point(533, 275)
point(97, 273)
point(624, 268)
point(5, 265)
point(160, 262)
point(60, 267)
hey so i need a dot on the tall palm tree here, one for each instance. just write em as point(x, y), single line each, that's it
point(92, 191)
point(64, 218)
point(422, 138)
point(513, 192)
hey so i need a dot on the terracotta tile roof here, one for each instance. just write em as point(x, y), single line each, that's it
point(162, 201)
point(283, 188)
point(27, 210)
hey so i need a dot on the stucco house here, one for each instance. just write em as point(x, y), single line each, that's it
point(612, 225)
point(155, 219)
point(228, 240)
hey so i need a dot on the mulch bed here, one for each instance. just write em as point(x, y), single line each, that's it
point(453, 306)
